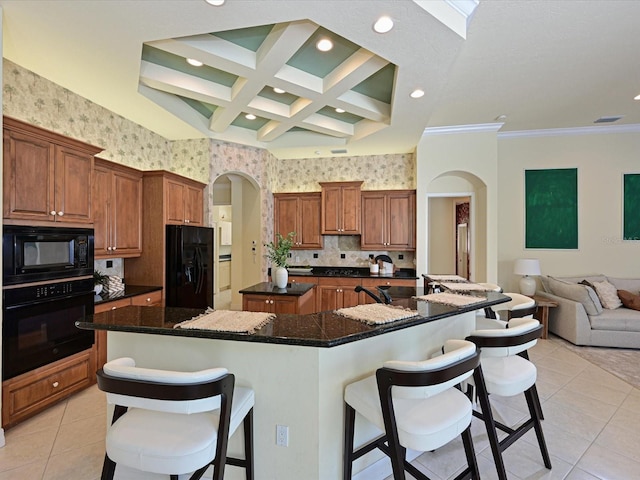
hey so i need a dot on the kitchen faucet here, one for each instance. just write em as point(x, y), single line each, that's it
point(381, 290)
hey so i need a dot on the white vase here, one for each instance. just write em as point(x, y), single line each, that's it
point(280, 277)
point(97, 289)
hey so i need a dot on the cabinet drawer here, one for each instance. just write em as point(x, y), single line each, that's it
point(340, 281)
point(105, 307)
point(32, 392)
point(148, 299)
point(392, 282)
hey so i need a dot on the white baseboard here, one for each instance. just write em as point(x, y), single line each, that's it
point(2, 437)
point(382, 468)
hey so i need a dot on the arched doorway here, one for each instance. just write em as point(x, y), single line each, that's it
point(236, 215)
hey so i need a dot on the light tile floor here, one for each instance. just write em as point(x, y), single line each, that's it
point(591, 425)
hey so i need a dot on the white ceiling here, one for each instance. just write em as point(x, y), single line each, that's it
point(544, 64)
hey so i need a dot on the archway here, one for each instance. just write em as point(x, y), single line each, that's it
point(445, 194)
point(236, 215)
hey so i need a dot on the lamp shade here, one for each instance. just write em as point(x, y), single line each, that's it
point(527, 266)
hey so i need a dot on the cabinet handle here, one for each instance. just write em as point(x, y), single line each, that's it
point(113, 308)
point(148, 299)
point(52, 212)
point(55, 384)
point(109, 249)
point(114, 248)
point(60, 214)
point(186, 220)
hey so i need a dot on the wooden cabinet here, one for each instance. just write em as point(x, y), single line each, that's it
point(255, 302)
point(30, 393)
point(117, 210)
point(164, 196)
point(183, 202)
point(340, 208)
point(333, 293)
point(150, 299)
point(300, 213)
point(388, 220)
point(46, 176)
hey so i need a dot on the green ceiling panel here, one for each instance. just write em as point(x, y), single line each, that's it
point(241, 121)
point(249, 38)
point(176, 62)
point(379, 85)
point(286, 98)
point(343, 117)
point(309, 59)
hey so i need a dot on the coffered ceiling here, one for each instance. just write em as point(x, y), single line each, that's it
point(541, 63)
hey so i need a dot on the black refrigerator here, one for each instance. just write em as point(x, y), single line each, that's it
point(189, 266)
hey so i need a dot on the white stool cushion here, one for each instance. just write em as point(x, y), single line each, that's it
point(171, 443)
point(507, 376)
point(423, 424)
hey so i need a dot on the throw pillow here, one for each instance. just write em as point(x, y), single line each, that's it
point(608, 295)
point(578, 293)
point(629, 300)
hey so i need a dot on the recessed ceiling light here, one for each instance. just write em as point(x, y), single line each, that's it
point(383, 24)
point(340, 110)
point(417, 93)
point(250, 116)
point(278, 90)
point(637, 97)
point(324, 45)
point(215, 3)
point(194, 62)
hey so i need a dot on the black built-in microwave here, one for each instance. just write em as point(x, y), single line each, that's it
point(34, 254)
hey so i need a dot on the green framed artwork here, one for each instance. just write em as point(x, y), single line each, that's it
point(631, 206)
point(551, 208)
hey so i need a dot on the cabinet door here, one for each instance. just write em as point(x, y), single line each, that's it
point(286, 216)
point(193, 206)
point(282, 304)
point(101, 205)
point(350, 210)
point(257, 303)
point(126, 214)
point(374, 224)
point(309, 236)
point(73, 179)
point(350, 298)
point(331, 219)
point(148, 300)
point(29, 177)
point(402, 221)
point(328, 297)
point(175, 202)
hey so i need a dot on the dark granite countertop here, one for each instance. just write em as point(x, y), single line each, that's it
point(129, 291)
point(354, 272)
point(269, 288)
point(325, 329)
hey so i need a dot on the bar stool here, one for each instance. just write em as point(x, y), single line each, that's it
point(417, 405)
point(507, 372)
point(174, 423)
point(520, 306)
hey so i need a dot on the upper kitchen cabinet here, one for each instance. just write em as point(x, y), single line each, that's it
point(117, 210)
point(340, 208)
point(300, 213)
point(183, 199)
point(388, 220)
point(47, 177)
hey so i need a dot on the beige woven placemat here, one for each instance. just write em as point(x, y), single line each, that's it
point(446, 278)
point(376, 313)
point(228, 321)
point(465, 287)
point(452, 299)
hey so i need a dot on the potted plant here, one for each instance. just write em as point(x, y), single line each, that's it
point(99, 281)
point(278, 253)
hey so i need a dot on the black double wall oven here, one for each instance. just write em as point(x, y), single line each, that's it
point(47, 287)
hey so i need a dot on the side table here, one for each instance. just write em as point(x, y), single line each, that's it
point(543, 312)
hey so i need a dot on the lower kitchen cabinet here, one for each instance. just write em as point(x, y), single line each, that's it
point(152, 299)
point(302, 304)
point(333, 293)
point(30, 393)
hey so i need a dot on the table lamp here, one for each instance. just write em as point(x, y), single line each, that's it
point(527, 267)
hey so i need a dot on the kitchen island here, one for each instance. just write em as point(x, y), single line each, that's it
point(298, 366)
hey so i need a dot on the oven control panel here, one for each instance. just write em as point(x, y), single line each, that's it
point(43, 292)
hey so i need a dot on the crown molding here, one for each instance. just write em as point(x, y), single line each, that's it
point(455, 129)
point(558, 132)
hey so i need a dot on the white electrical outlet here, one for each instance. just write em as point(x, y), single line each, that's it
point(282, 435)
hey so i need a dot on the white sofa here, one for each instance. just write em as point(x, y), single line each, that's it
point(580, 317)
